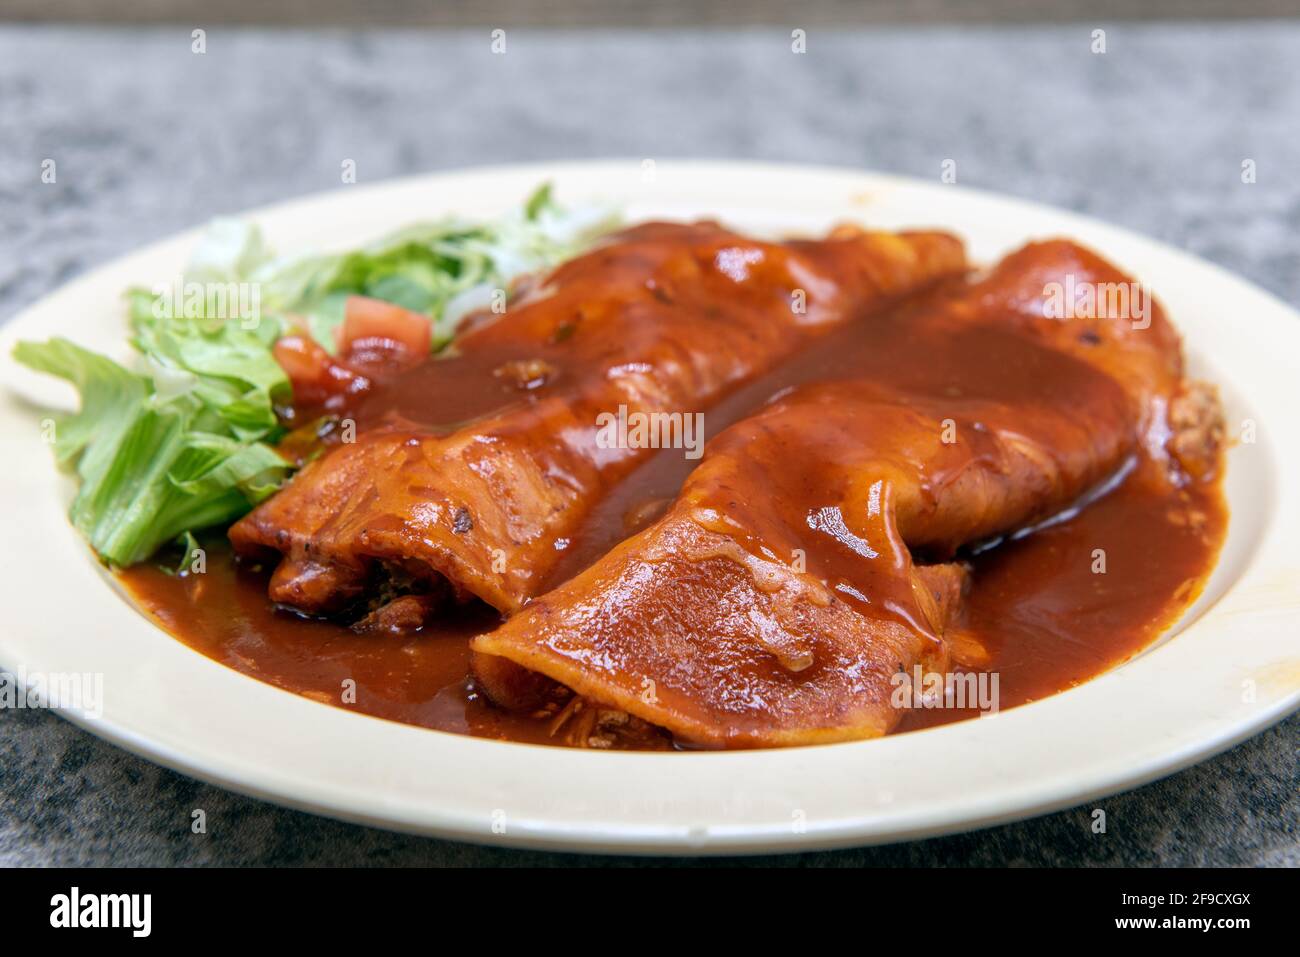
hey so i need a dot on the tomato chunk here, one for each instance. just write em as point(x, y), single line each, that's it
point(316, 376)
point(371, 325)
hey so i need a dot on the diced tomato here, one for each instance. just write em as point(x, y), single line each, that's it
point(316, 375)
point(302, 360)
point(371, 325)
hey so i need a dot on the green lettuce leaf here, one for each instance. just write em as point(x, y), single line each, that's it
point(149, 473)
point(186, 441)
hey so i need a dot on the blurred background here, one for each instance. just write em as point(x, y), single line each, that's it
point(626, 13)
point(164, 113)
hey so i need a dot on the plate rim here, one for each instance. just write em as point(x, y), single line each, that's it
point(688, 838)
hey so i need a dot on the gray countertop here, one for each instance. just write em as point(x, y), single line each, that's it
point(151, 138)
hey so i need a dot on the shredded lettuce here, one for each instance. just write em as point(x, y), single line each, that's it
point(186, 440)
point(153, 466)
point(443, 269)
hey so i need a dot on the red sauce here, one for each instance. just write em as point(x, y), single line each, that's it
point(1047, 619)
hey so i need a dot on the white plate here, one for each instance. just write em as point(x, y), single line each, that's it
point(1231, 669)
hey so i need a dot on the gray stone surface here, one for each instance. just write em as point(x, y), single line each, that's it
point(150, 138)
